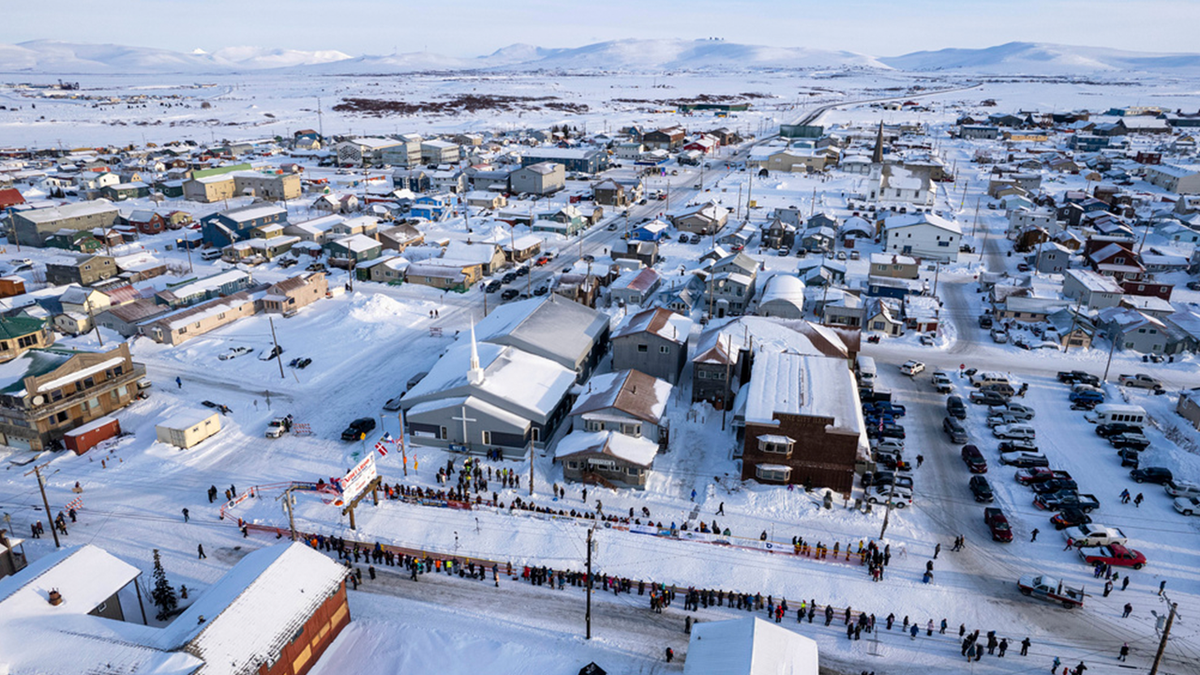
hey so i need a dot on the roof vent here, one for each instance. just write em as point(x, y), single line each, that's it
point(55, 597)
point(200, 619)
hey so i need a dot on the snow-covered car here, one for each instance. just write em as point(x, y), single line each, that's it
point(1188, 506)
point(1091, 534)
point(1002, 418)
point(1113, 556)
point(234, 353)
point(900, 496)
point(1024, 460)
point(1014, 432)
point(1051, 590)
point(1182, 488)
point(1017, 445)
point(1019, 411)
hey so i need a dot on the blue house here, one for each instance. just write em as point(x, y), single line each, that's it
point(575, 160)
point(222, 229)
point(654, 230)
point(891, 287)
point(432, 207)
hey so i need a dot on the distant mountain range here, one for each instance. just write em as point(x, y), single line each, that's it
point(62, 58)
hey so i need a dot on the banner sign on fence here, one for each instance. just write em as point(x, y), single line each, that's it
point(354, 482)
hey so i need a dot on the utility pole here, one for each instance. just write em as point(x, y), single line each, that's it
point(278, 351)
point(937, 268)
point(888, 510)
point(588, 590)
point(1113, 339)
point(1162, 644)
point(977, 200)
point(37, 470)
point(531, 449)
point(1074, 322)
point(403, 445)
point(92, 316)
point(287, 504)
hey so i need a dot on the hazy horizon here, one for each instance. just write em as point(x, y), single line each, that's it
point(892, 30)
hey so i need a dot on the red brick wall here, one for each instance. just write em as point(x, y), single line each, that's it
point(818, 458)
point(319, 632)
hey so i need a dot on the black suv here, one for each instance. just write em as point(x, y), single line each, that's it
point(358, 428)
point(981, 489)
point(956, 408)
point(1117, 428)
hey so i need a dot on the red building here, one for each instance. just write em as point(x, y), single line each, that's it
point(10, 197)
point(1148, 288)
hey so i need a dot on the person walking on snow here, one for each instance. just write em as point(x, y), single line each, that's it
point(1124, 652)
point(1034, 534)
point(1137, 501)
point(200, 550)
point(178, 382)
point(185, 515)
point(693, 495)
point(1025, 646)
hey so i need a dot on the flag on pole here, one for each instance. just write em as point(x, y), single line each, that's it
point(382, 449)
point(387, 438)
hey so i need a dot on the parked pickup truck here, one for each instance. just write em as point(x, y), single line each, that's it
point(1115, 555)
point(1077, 377)
point(941, 382)
point(1140, 380)
point(1094, 535)
point(1039, 474)
point(1051, 590)
point(1062, 500)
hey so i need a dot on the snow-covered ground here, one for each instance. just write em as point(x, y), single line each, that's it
point(367, 344)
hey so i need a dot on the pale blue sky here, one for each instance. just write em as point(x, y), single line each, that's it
point(474, 27)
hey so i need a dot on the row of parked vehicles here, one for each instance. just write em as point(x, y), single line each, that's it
point(891, 479)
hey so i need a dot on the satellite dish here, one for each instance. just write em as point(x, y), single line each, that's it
point(39, 399)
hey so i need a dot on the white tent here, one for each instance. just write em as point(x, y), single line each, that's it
point(749, 646)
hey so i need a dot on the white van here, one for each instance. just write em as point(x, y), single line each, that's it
point(866, 371)
point(1107, 413)
point(210, 254)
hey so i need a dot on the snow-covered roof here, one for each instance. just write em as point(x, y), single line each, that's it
point(629, 391)
point(915, 219)
point(784, 287)
point(37, 637)
point(662, 322)
point(253, 212)
point(255, 609)
point(749, 646)
point(358, 243)
point(639, 451)
point(512, 379)
point(1094, 281)
point(812, 386)
point(76, 210)
point(560, 329)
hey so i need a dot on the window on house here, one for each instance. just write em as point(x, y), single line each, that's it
point(487, 438)
point(61, 417)
point(633, 471)
point(536, 434)
point(27, 341)
point(632, 430)
point(642, 349)
point(664, 349)
point(593, 425)
point(780, 474)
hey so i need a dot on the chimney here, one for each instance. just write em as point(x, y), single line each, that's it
point(55, 597)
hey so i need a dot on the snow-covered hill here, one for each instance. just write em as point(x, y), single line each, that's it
point(51, 57)
point(1044, 59)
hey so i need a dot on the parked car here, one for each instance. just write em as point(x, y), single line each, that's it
point(393, 404)
point(1130, 458)
point(234, 353)
point(271, 353)
point(1113, 556)
point(887, 430)
point(1129, 440)
point(941, 382)
point(1069, 517)
point(1078, 377)
point(1188, 506)
point(1086, 396)
point(1151, 474)
point(1094, 535)
point(493, 286)
point(999, 335)
point(1014, 431)
point(1182, 488)
point(880, 494)
point(1000, 419)
point(1140, 381)
point(956, 408)
point(974, 459)
point(985, 321)
point(1024, 460)
point(509, 294)
point(521, 271)
point(988, 398)
point(358, 428)
point(1040, 474)
point(954, 430)
point(1055, 485)
point(1017, 445)
point(1022, 413)
point(889, 408)
point(902, 479)
point(981, 489)
point(1067, 499)
point(911, 368)
point(997, 522)
point(888, 445)
point(1115, 428)
point(508, 277)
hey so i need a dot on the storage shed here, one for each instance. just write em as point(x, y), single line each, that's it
point(188, 428)
point(84, 438)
